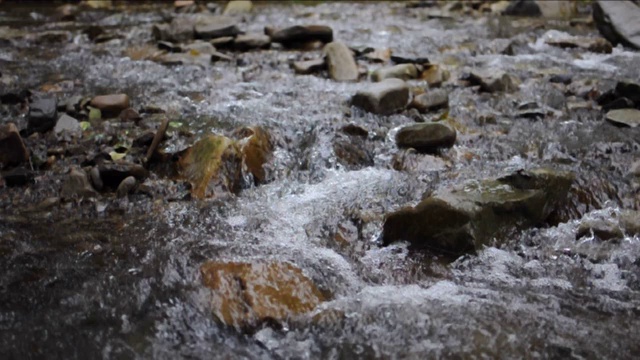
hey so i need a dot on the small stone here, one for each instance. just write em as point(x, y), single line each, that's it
point(247, 295)
point(523, 8)
point(95, 178)
point(126, 186)
point(112, 174)
point(67, 124)
point(17, 177)
point(77, 186)
point(295, 36)
point(406, 59)
point(434, 75)
point(401, 71)
point(237, 7)
point(355, 130)
point(129, 114)
point(12, 148)
point(618, 21)
point(309, 66)
point(385, 97)
point(251, 42)
point(492, 81)
point(434, 99)
point(626, 117)
point(43, 114)
point(426, 137)
point(342, 66)
point(215, 26)
point(561, 79)
point(110, 105)
point(256, 149)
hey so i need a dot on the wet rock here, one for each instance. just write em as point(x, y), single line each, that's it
point(297, 35)
point(251, 42)
point(618, 22)
point(17, 177)
point(213, 157)
point(309, 66)
point(619, 103)
point(462, 219)
point(426, 137)
point(433, 99)
point(126, 186)
point(94, 174)
point(256, 149)
point(434, 75)
point(353, 152)
point(12, 148)
point(246, 295)
point(401, 71)
point(385, 97)
point(625, 117)
point(67, 124)
point(597, 45)
point(342, 66)
point(217, 56)
point(179, 30)
point(413, 162)
point(223, 42)
point(77, 186)
point(215, 26)
point(169, 46)
point(523, 8)
point(43, 113)
point(111, 105)
point(112, 174)
point(407, 59)
point(237, 7)
point(610, 227)
point(199, 47)
point(377, 55)
point(561, 79)
point(129, 114)
point(355, 130)
point(492, 81)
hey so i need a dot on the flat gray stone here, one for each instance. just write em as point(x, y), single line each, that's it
point(385, 97)
point(433, 99)
point(67, 124)
point(627, 117)
point(215, 26)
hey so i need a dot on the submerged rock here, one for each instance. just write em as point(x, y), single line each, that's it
point(43, 113)
point(426, 137)
point(12, 148)
point(77, 185)
point(618, 21)
point(462, 219)
point(342, 66)
point(625, 117)
point(353, 151)
point(111, 105)
point(385, 97)
point(300, 34)
point(401, 71)
point(246, 295)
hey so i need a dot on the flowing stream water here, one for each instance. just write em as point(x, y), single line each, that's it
point(128, 285)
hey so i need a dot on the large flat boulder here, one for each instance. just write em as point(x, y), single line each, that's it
point(462, 219)
point(618, 21)
point(246, 295)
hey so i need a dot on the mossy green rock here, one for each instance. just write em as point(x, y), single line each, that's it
point(464, 218)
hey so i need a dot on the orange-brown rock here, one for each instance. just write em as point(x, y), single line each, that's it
point(249, 294)
point(111, 104)
point(256, 148)
point(211, 162)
